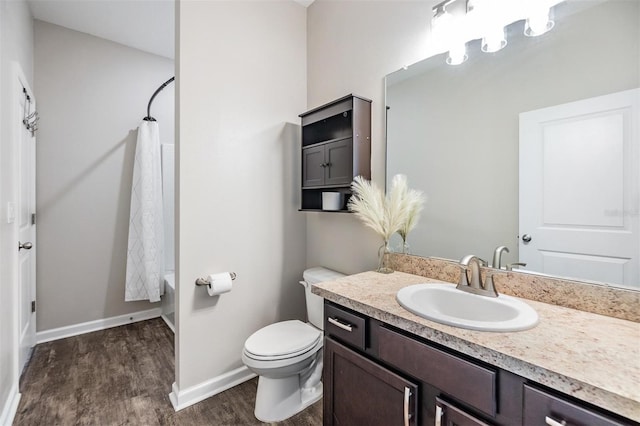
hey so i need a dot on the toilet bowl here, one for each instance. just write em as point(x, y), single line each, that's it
point(287, 357)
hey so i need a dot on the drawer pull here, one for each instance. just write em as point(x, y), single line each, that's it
point(551, 422)
point(438, 415)
point(407, 415)
point(337, 323)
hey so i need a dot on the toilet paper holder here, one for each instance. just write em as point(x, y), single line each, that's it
point(206, 282)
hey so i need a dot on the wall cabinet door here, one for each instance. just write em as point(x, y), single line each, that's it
point(339, 162)
point(313, 166)
point(360, 392)
point(328, 164)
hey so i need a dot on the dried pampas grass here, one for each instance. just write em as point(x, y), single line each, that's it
point(412, 202)
point(369, 205)
point(398, 212)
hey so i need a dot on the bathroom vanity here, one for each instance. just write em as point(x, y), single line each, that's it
point(386, 366)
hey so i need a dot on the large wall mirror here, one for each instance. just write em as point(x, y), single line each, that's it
point(540, 138)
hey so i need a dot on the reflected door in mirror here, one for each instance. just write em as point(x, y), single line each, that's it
point(578, 182)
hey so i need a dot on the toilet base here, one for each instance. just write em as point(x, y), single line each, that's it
point(279, 399)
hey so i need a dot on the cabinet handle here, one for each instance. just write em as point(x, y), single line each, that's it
point(407, 415)
point(323, 165)
point(328, 164)
point(334, 321)
point(438, 415)
point(551, 422)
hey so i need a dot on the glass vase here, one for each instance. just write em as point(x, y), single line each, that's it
point(383, 258)
point(405, 247)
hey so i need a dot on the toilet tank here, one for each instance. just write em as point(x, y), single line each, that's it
point(315, 303)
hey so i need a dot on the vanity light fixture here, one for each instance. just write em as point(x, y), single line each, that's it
point(456, 22)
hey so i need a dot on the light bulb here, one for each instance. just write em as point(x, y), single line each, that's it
point(494, 40)
point(457, 54)
point(538, 23)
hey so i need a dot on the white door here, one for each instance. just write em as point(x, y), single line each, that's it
point(25, 155)
point(580, 189)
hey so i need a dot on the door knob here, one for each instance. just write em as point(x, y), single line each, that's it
point(26, 246)
point(526, 238)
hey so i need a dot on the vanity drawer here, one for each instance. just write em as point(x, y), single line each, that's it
point(542, 408)
point(346, 326)
point(463, 380)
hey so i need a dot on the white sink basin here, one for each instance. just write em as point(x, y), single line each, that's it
point(445, 304)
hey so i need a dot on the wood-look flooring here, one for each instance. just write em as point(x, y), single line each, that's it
point(123, 376)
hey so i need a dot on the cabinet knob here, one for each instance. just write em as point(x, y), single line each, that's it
point(406, 401)
point(439, 413)
point(339, 324)
point(323, 165)
point(552, 422)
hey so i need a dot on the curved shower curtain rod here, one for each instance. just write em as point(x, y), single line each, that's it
point(149, 117)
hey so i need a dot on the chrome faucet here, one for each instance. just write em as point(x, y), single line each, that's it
point(474, 283)
point(497, 256)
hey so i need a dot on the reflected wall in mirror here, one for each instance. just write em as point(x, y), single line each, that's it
point(455, 131)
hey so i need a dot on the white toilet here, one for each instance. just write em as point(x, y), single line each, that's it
point(287, 356)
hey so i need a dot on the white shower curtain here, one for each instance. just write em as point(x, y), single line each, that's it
point(145, 253)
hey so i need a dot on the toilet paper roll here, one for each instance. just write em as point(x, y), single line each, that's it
point(220, 283)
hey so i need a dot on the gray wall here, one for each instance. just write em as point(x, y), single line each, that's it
point(92, 94)
point(16, 45)
point(242, 83)
point(351, 46)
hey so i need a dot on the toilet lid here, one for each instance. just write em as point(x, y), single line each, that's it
point(282, 338)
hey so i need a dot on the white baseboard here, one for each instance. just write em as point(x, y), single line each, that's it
point(10, 407)
point(101, 324)
point(169, 323)
point(184, 398)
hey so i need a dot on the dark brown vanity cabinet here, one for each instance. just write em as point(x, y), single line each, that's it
point(336, 147)
point(375, 374)
point(364, 392)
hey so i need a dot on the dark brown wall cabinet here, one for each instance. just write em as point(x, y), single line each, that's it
point(375, 374)
point(336, 147)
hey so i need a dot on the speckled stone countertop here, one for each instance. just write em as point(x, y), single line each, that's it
point(592, 357)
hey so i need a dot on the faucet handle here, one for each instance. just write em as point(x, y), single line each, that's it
point(489, 287)
point(511, 265)
point(464, 278)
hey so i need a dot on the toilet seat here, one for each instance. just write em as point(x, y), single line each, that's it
point(282, 340)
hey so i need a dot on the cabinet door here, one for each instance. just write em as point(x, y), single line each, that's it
point(339, 161)
point(360, 392)
point(449, 415)
point(313, 166)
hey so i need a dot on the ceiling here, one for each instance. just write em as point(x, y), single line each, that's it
point(143, 24)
